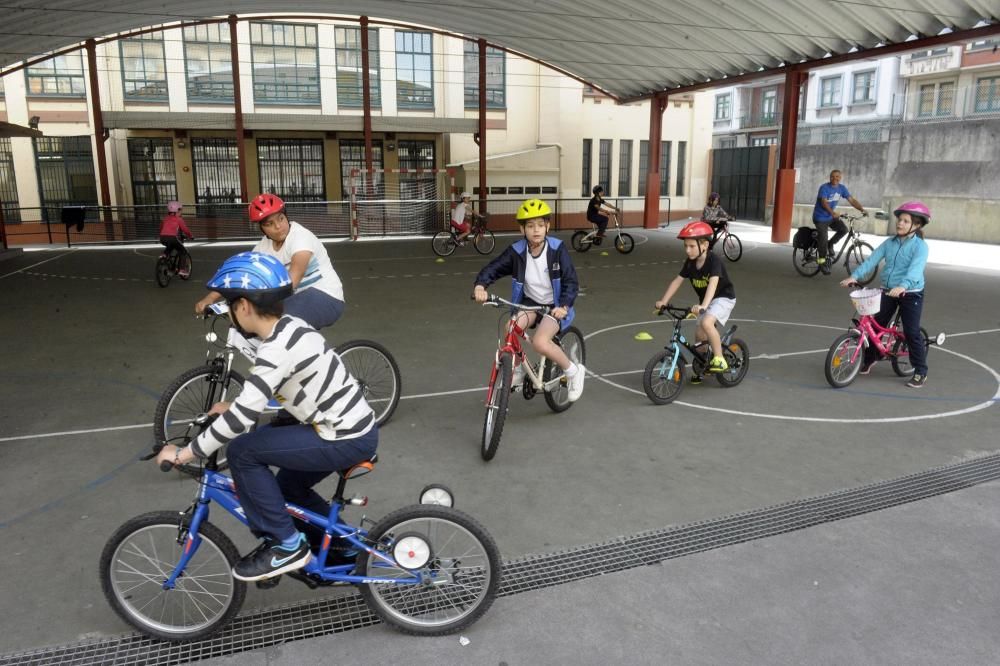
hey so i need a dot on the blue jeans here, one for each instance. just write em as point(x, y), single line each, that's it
point(303, 458)
point(911, 306)
point(314, 307)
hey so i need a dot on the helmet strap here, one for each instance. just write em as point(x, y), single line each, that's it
point(236, 322)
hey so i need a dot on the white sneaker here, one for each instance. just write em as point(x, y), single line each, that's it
point(576, 383)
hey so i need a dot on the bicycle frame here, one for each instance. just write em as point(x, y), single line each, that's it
point(593, 232)
point(683, 349)
point(219, 488)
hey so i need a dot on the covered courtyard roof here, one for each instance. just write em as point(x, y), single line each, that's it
point(627, 48)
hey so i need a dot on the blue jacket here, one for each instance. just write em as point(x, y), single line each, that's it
point(513, 261)
point(904, 263)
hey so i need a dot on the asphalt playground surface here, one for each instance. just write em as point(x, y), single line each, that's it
point(90, 341)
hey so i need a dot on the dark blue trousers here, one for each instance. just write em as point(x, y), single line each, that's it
point(303, 459)
point(911, 306)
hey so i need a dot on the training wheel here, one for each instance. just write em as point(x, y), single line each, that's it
point(939, 340)
point(438, 494)
point(411, 551)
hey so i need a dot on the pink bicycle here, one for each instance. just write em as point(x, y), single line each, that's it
point(846, 355)
point(545, 376)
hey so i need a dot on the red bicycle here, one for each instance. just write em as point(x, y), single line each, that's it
point(545, 376)
point(846, 355)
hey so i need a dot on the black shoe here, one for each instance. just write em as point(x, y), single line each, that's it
point(917, 381)
point(866, 368)
point(270, 559)
point(825, 267)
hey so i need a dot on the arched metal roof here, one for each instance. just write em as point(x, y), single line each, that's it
point(628, 48)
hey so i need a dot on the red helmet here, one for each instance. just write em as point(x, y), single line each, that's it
point(265, 205)
point(696, 230)
point(918, 211)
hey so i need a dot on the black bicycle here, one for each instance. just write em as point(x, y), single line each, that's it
point(173, 261)
point(732, 246)
point(444, 243)
point(805, 251)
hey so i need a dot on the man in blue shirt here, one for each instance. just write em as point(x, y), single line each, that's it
point(826, 216)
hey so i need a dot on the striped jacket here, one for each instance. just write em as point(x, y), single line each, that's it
point(298, 367)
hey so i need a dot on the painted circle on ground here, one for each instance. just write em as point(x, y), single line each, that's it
point(815, 419)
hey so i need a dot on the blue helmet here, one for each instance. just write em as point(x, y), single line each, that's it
point(259, 278)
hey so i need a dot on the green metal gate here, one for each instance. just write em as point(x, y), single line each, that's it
point(739, 175)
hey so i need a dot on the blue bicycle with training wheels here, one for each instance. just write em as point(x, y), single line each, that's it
point(425, 569)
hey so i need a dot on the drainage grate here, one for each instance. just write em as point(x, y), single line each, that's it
point(253, 631)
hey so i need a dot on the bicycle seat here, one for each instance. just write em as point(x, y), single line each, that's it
point(359, 469)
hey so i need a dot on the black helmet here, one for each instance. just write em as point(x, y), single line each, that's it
point(597, 189)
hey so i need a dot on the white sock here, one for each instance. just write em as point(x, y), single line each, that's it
point(571, 370)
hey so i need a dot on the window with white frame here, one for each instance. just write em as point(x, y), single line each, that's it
point(727, 142)
point(61, 76)
point(350, 91)
point(987, 94)
point(723, 106)
point(208, 62)
point(414, 71)
point(936, 99)
point(829, 92)
point(864, 88)
point(285, 63)
point(763, 140)
point(495, 77)
point(144, 67)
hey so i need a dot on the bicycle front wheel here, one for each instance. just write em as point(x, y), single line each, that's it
point(804, 261)
point(624, 243)
point(443, 244)
point(660, 384)
point(732, 247)
point(580, 242)
point(191, 394)
point(163, 272)
point(571, 342)
point(485, 242)
point(496, 406)
point(141, 555)
point(455, 557)
point(856, 256)
point(843, 361)
point(737, 356)
point(377, 372)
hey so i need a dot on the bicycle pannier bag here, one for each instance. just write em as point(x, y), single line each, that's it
point(804, 238)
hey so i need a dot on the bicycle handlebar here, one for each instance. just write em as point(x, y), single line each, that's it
point(497, 302)
point(675, 312)
point(201, 421)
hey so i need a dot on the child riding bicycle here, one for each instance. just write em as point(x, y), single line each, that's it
point(715, 215)
point(319, 294)
point(711, 282)
point(294, 363)
point(459, 216)
point(905, 256)
point(172, 230)
point(543, 274)
point(595, 212)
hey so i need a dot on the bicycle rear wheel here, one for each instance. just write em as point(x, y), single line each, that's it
point(443, 244)
point(571, 341)
point(844, 360)
point(140, 556)
point(185, 264)
point(496, 406)
point(192, 393)
point(737, 356)
point(452, 552)
point(856, 256)
point(624, 243)
point(660, 384)
point(377, 372)
point(485, 242)
point(163, 272)
point(732, 247)
point(901, 354)
point(578, 241)
point(804, 261)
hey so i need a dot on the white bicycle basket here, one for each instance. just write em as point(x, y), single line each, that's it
point(867, 301)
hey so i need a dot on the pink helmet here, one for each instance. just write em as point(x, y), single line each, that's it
point(917, 210)
point(174, 206)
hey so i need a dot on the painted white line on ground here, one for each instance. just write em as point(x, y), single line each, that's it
point(988, 330)
point(441, 393)
point(21, 270)
point(75, 432)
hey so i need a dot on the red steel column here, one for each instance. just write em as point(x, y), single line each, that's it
point(784, 190)
point(99, 133)
point(366, 99)
point(482, 126)
point(241, 149)
point(651, 207)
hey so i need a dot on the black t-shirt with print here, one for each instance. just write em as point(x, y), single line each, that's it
point(699, 276)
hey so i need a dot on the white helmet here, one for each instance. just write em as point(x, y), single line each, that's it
point(465, 195)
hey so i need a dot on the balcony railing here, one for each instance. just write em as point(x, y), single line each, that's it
point(759, 120)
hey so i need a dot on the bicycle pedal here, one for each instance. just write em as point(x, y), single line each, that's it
point(268, 583)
